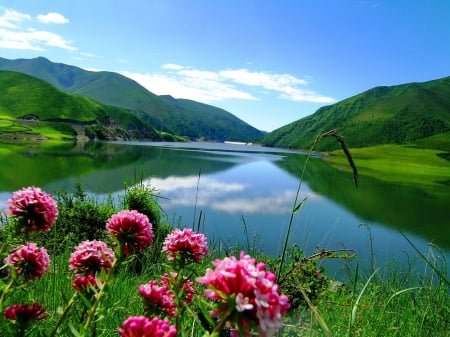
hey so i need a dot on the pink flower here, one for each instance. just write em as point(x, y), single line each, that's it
point(141, 326)
point(35, 209)
point(247, 293)
point(91, 257)
point(158, 297)
point(132, 229)
point(186, 244)
point(85, 283)
point(187, 287)
point(25, 313)
point(29, 261)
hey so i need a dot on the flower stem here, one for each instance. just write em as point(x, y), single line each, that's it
point(93, 310)
point(10, 284)
point(221, 324)
point(62, 317)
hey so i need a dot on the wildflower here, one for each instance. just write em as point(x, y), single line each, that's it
point(91, 257)
point(25, 313)
point(158, 298)
point(29, 261)
point(186, 244)
point(141, 326)
point(186, 286)
point(84, 283)
point(247, 294)
point(132, 229)
point(35, 209)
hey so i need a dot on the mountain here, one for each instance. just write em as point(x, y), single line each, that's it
point(33, 108)
point(398, 114)
point(182, 117)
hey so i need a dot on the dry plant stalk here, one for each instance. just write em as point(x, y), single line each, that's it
point(334, 133)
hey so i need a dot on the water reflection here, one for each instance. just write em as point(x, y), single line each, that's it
point(231, 185)
point(232, 197)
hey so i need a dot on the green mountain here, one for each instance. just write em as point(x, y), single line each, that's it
point(32, 108)
point(181, 117)
point(398, 114)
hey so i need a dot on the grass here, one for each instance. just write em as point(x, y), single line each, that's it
point(383, 302)
point(397, 163)
point(10, 127)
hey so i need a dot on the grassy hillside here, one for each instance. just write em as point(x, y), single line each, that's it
point(32, 108)
point(399, 114)
point(209, 121)
point(182, 117)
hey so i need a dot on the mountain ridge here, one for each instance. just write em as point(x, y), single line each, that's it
point(398, 114)
point(114, 89)
point(30, 106)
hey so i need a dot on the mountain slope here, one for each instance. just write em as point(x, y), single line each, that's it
point(180, 117)
point(398, 114)
point(24, 98)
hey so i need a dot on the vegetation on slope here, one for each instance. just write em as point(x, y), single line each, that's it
point(399, 114)
point(180, 117)
point(32, 108)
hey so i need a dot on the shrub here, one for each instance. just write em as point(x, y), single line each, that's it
point(143, 199)
point(303, 274)
point(80, 218)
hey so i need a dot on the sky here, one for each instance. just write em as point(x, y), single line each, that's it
point(268, 62)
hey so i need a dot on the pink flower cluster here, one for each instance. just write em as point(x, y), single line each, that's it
point(141, 326)
point(25, 313)
point(91, 257)
point(158, 297)
point(253, 291)
point(132, 229)
point(29, 261)
point(186, 244)
point(85, 283)
point(36, 210)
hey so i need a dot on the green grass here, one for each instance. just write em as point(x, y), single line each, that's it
point(397, 163)
point(388, 300)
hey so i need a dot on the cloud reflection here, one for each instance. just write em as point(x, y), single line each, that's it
point(229, 197)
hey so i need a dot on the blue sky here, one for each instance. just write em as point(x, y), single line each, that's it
point(269, 62)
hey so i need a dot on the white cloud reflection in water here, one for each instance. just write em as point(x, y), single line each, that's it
point(229, 197)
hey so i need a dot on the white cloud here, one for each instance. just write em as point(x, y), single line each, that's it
point(52, 17)
point(12, 18)
point(211, 86)
point(32, 40)
point(197, 89)
point(13, 34)
point(289, 87)
point(172, 66)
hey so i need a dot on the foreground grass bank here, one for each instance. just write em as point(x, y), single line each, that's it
point(387, 300)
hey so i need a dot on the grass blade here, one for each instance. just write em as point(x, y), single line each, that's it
point(432, 266)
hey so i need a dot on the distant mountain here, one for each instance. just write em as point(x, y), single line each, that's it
point(32, 108)
point(182, 117)
point(398, 114)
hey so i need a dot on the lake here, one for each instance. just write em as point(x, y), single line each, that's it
point(245, 195)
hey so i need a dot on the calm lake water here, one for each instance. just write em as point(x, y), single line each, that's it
point(239, 189)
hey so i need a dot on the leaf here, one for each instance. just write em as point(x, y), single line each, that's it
point(300, 205)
